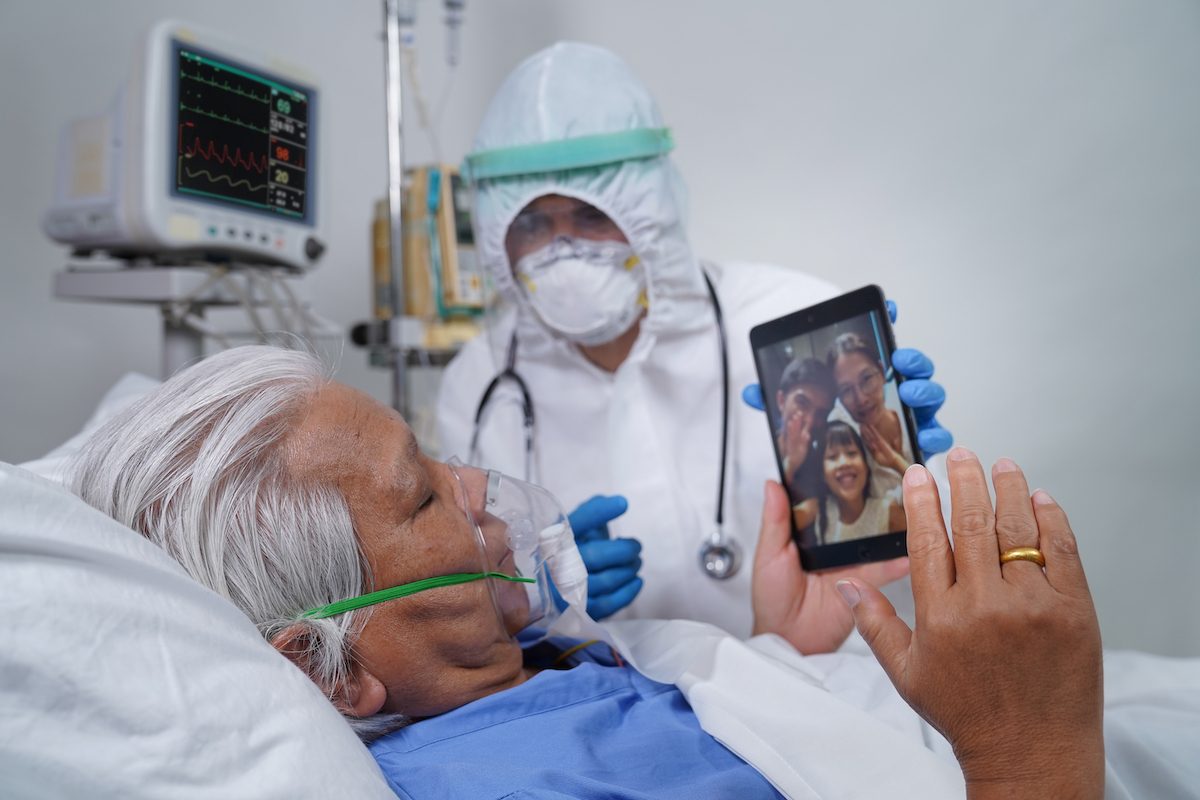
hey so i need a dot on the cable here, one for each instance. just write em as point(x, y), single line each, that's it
point(256, 281)
point(247, 306)
point(305, 324)
point(175, 311)
point(447, 88)
point(724, 397)
point(197, 323)
point(408, 54)
point(296, 326)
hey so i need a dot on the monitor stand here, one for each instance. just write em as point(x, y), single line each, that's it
point(183, 291)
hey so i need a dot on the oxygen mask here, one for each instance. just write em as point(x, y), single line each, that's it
point(526, 547)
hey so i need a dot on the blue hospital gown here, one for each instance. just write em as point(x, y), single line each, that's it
point(597, 730)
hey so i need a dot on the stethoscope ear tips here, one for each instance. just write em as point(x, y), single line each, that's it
point(720, 558)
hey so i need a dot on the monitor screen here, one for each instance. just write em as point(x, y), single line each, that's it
point(242, 136)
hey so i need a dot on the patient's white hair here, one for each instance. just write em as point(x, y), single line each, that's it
point(199, 467)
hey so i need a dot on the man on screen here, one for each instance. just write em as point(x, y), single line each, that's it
point(804, 398)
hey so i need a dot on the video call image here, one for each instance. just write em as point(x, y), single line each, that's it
point(839, 431)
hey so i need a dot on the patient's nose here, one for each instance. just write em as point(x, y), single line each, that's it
point(473, 482)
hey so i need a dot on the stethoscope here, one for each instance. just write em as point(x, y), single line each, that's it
point(720, 554)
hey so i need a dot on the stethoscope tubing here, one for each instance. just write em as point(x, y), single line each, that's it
point(712, 292)
point(509, 373)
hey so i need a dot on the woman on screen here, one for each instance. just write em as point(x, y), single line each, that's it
point(847, 511)
point(860, 380)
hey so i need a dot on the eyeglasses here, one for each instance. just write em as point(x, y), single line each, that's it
point(865, 386)
point(534, 229)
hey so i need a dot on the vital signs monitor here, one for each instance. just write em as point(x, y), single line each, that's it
point(211, 149)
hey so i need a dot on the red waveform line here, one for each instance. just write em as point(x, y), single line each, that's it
point(210, 153)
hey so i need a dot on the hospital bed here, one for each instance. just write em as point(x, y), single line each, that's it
point(122, 677)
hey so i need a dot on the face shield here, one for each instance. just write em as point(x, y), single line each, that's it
point(526, 546)
point(588, 297)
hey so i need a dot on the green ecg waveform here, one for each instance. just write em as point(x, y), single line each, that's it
point(223, 118)
point(217, 178)
point(227, 87)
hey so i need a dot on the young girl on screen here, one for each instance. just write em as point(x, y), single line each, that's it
point(846, 510)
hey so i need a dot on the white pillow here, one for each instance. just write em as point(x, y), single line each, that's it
point(122, 394)
point(122, 677)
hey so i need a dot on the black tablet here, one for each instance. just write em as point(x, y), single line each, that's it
point(842, 437)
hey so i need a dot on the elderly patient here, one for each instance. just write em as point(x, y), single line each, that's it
point(288, 493)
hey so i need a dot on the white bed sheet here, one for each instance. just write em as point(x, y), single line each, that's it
point(832, 726)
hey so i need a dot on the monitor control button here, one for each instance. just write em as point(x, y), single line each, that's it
point(313, 248)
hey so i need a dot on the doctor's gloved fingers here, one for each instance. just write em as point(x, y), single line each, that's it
point(752, 396)
point(609, 604)
point(590, 520)
point(891, 306)
point(610, 580)
point(923, 396)
point(912, 363)
point(934, 439)
point(608, 553)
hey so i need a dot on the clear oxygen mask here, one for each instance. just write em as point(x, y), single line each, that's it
point(523, 533)
point(526, 550)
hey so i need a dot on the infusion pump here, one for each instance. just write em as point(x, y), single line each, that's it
point(210, 149)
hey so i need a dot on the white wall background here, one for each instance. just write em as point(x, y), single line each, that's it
point(1023, 177)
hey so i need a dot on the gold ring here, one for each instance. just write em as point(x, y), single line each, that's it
point(1023, 554)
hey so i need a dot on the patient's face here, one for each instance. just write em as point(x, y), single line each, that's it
point(440, 648)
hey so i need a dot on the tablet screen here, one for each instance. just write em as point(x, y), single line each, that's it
point(842, 437)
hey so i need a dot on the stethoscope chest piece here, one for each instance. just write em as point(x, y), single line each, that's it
point(720, 557)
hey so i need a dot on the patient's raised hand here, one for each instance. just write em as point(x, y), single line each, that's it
point(1005, 659)
point(803, 607)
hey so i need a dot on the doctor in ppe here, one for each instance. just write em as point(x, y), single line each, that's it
point(612, 378)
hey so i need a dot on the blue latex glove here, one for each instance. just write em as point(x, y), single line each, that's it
point(924, 397)
point(919, 393)
point(612, 564)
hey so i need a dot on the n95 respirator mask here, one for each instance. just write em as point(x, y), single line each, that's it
point(589, 292)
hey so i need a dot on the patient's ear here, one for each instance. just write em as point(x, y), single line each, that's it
point(361, 694)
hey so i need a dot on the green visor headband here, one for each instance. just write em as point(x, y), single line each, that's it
point(383, 595)
point(563, 154)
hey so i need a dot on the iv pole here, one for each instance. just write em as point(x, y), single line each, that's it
point(395, 156)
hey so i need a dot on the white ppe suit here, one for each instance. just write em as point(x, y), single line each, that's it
point(650, 431)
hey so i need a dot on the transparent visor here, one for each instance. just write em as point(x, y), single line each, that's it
point(520, 530)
